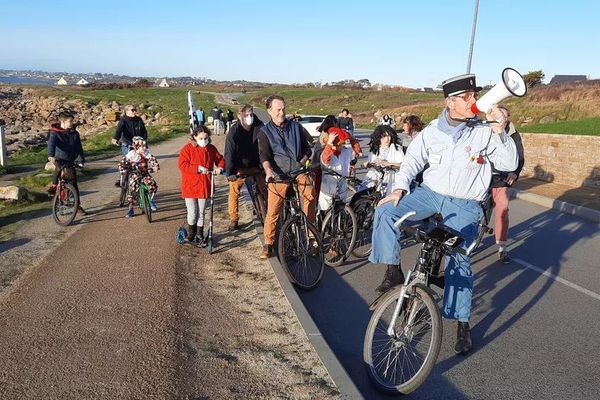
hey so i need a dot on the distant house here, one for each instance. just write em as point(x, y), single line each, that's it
point(428, 89)
point(163, 83)
point(62, 81)
point(82, 82)
point(560, 79)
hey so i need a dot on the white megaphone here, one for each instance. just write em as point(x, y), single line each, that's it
point(512, 85)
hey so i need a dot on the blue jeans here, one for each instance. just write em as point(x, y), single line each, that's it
point(124, 149)
point(459, 214)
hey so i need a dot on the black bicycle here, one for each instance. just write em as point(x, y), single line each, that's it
point(259, 200)
point(339, 226)
point(299, 243)
point(363, 203)
point(483, 226)
point(404, 334)
point(66, 198)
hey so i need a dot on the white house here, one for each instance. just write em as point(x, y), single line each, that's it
point(62, 81)
point(82, 82)
point(163, 83)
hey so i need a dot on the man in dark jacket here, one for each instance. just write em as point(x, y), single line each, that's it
point(64, 147)
point(501, 182)
point(283, 147)
point(242, 160)
point(128, 127)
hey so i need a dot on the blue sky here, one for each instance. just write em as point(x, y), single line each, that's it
point(404, 42)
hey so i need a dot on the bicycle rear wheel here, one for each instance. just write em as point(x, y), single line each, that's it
point(65, 204)
point(259, 207)
point(400, 363)
point(145, 198)
point(364, 209)
point(300, 256)
point(339, 234)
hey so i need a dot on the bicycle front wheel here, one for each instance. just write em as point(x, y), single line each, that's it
point(145, 196)
point(339, 235)
point(398, 363)
point(364, 209)
point(124, 183)
point(65, 204)
point(301, 252)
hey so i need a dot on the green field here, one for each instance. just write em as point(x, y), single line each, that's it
point(587, 127)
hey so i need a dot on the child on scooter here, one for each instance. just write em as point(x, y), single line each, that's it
point(196, 160)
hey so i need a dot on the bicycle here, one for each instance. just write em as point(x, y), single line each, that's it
point(404, 334)
point(143, 196)
point(483, 227)
point(66, 198)
point(338, 226)
point(124, 187)
point(299, 243)
point(363, 204)
point(258, 199)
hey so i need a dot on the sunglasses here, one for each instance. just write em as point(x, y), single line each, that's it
point(467, 96)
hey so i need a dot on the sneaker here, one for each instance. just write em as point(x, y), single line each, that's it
point(463, 338)
point(266, 252)
point(233, 226)
point(153, 205)
point(118, 183)
point(503, 257)
point(130, 213)
point(181, 235)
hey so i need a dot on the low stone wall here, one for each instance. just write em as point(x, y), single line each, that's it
point(566, 159)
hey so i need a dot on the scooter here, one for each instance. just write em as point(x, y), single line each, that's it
point(208, 238)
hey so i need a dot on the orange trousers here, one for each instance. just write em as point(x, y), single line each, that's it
point(276, 196)
point(235, 188)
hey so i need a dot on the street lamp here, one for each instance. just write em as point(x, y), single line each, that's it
point(472, 36)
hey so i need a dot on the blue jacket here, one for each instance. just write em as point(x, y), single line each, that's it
point(64, 145)
point(283, 147)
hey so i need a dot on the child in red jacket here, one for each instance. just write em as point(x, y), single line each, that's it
point(196, 161)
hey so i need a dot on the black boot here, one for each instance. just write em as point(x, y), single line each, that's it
point(463, 338)
point(191, 233)
point(200, 235)
point(393, 277)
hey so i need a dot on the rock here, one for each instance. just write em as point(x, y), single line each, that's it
point(548, 119)
point(111, 116)
point(14, 193)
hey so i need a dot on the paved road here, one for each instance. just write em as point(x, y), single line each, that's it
point(535, 325)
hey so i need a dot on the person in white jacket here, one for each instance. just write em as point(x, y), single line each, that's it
point(385, 150)
point(460, 154)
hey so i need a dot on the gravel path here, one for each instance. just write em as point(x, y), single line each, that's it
point(114, 308)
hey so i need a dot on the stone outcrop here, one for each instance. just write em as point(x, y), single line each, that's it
point(14, 193)
point(28, 115)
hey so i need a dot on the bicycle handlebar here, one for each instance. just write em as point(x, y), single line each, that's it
point(293, 174)
point(380, 168)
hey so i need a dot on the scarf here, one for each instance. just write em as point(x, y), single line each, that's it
point(455, 132)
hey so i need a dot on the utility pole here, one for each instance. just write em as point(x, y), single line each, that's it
point(2, 146)
point(472, 37)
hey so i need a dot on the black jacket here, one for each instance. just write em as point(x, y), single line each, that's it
point(65, 145)
point(499, 177)
point(241, 147)
point(128, 127)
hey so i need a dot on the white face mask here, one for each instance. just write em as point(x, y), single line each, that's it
point(248, 120)
point(202, 142)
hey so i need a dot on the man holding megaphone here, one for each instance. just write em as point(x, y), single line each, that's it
point(459, 152)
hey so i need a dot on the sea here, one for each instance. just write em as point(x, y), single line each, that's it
point(26, 81)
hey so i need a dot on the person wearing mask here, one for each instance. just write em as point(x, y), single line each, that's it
point(197, 159)
point(283, 147)
point(242, 160)
point(501, 182)
point(460, 154)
